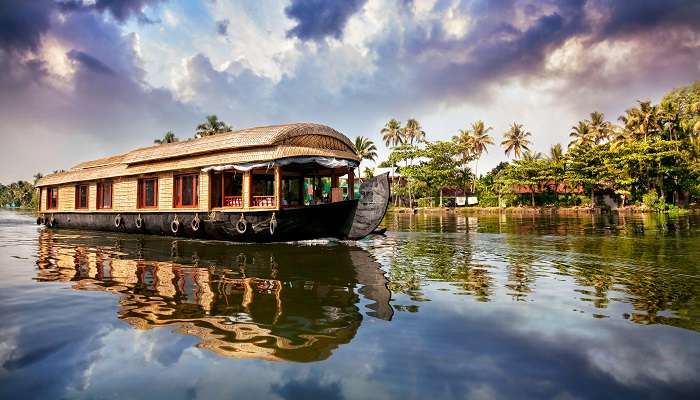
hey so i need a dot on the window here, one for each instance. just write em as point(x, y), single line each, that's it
point(186, 190)
point(148, 193)
point(81, 197)
point(227, 189)
point(263, 190)
point(104, 195)
point(292, 191)
point(51, 198)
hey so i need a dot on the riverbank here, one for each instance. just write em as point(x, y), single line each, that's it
point(538, 210)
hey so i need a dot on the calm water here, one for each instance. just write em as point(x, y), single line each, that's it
point(442, 307)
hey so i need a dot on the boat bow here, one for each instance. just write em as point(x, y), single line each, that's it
point(374, 201)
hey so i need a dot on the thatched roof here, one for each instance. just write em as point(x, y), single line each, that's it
point(247, 145)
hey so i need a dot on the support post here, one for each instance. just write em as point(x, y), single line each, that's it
point(351, 185)
point(302, 194)
point(247, 185)
point(278, 187)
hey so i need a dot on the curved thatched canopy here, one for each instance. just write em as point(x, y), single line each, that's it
point(247, 145)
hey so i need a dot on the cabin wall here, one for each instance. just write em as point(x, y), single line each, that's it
point(125, 196)
point(92, 197)
point(204, 191)
point(66, 198)
point(42, 200)
point(165, 191)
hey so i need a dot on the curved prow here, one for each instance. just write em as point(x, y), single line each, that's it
point(375, 194)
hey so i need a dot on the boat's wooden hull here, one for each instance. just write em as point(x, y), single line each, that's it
point(343, 220)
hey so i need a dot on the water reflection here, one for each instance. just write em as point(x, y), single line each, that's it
point(545, 223)
point(552, 312)
point(296, 303)
point(639, 268)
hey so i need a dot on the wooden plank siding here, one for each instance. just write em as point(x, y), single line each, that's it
point(92, 202)
point(42, 200)
point(165, 191)
point(66, 198)
point(125, 195)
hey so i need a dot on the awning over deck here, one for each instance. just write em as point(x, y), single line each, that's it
point(327, 162)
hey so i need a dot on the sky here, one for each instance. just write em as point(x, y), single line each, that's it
point(83, 79)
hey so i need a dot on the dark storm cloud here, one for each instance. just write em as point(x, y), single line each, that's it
point(317, 19)
point(644, 15)
point(121, 10)
point(494, 49)
point(513, 39)
point(89, 62)
point(222, 27)
point(22, 23)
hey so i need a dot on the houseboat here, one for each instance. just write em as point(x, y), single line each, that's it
point(273, 183)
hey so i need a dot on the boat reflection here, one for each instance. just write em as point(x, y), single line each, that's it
point(273, 302)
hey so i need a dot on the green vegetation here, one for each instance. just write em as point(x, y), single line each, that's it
point(20, 194)
point(211, 126)
point(366, 149)
point(169, 137)
point(652, 159)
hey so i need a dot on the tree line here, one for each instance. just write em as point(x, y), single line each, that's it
point(651, 157)
point(20, 194)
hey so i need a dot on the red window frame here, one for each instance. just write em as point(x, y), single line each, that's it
point(78, 204)
point(100, 195)
point(141, 202)
point(177, 191)
point(51, 201)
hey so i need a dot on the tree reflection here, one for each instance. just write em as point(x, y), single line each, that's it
point(645, 265)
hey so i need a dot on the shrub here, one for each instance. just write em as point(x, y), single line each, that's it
point(649, 199)
point(488, 199)
point(425, 202)
point(652, 201)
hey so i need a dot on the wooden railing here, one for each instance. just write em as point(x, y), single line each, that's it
point(263, 201)
point(233, 201)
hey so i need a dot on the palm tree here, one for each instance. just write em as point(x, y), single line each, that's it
point(480, 137)
point(169, 137)
point(516, 140)
point(581, 134)
point(413, 131)
point(556, 154)
point(532, 155)
point(211, 126)
point(481, 140)
point(619, 136)
point(392, 134)
point(641, 121)
point(556, 158)
point(600, 128)
point(366, 150)
point(466, 152)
